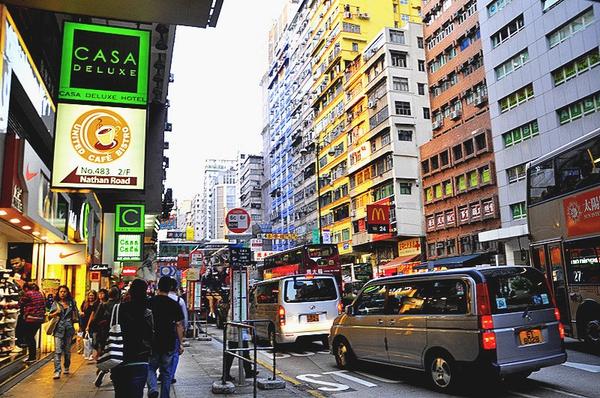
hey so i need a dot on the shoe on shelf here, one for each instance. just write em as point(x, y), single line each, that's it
point(17, 349)
point(56, 375)
point(29, 361)
point(66, 371)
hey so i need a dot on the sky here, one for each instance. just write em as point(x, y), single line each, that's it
point(216, 100)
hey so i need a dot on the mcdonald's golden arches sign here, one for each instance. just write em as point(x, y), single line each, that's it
point(378, 219)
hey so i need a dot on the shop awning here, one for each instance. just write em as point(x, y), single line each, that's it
point(394, 263)
point(456, 261)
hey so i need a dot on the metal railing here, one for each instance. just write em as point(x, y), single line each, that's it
point(249, 325)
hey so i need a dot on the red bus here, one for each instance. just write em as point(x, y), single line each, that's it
point(306, 259)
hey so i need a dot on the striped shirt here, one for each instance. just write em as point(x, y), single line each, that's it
point(34, 306)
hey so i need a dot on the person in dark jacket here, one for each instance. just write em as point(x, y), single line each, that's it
point(137, 327)
point(101, 323)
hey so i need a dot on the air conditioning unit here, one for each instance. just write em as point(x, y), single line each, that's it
point(371, 104)
point(353, 213)
point(437, 124)
point(363, 15)
point(347, 14)
point(454, 115)
point(480, 100)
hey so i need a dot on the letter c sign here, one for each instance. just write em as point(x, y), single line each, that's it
point(129, 218)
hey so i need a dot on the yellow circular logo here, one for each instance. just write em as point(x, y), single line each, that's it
point(100, 135)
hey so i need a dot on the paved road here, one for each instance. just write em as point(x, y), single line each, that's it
point(313, 370)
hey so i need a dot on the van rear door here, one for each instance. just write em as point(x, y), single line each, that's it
point(523, 315)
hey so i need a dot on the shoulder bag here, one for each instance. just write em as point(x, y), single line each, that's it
point(113, 352)
point(54, 322)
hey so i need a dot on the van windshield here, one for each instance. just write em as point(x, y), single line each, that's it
point(305, 290)
point(517, 289)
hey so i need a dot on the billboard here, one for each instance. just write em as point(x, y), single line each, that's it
point(378, 219)
point(129, 218)
point(99, 147)
point(128, 247)
point(104, 64)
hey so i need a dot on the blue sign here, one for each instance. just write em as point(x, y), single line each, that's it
point(167, 271)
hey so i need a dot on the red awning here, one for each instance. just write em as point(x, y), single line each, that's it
point(394, 263)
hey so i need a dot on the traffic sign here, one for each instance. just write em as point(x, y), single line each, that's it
point(240, 257)
point(238, 220)
point(168, 271)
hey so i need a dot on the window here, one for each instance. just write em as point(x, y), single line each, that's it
point(421, 90)
point(444, 159)
point(371, 301)
point(548, 4)
point(425, 166)
point(402, 108)
point(350, 27)
point(446, 297)
point(398, 59)
point(585, 106)
point(485, 175)
point(421, 66)
point(431, 249)
point(451, 246)
point(516, 173)
point(507, 31)
point(509, 66)
point(267, 293)
point(420, 42)
point(448, 189)
point(405, 188)
point(400, 83)
point(385, 139)
point(457, 152)
point(518, 211)
point(481, 142)
point(466, 244)
point(461, 183)
point(303, 291)
point(429, 194)
point(573, 26)
point(496, 6)
point(435, 164)
point(355, 47)
point(517, 98)
point(576, 67)
point(439, 192)
point(517, 290)
point(583, 262)
point(404, 17)
point(404, 135)
point(426, 113)
point(469, 148)
point(520, 134)
point(473, 179)
point(397, 37)
point(383, 192)
point(406, 298)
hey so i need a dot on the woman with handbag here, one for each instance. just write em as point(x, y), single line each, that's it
point(88, 308)
point(64, 316)
point(34, 314)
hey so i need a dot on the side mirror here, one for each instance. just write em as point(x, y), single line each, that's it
point(349, 310)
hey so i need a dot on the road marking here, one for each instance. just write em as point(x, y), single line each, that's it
point(583, 366)
point(520, 394)
point(327, 386)
point(344, 374)
point(315, 393)
point(570, 394)
point(278, 373)
point(378, 378)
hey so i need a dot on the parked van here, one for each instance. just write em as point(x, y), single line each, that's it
point(502, 320)
point(300, 306)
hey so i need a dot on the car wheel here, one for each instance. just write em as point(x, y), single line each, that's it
point(344, 357)
point(442, 371)
point(592, 333)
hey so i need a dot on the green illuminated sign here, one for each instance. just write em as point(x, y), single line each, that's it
point(104, 64)
point(128, 247)
point(129, 218)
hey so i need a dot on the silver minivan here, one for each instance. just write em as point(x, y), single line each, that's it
point(499, 320)
point(300, 306)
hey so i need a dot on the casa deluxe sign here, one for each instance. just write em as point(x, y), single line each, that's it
point(104, 64)
point(99, 147)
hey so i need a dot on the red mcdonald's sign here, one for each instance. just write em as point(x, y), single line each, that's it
point(378, 219)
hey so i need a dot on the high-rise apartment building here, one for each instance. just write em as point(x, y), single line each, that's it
point(457, 165)
point(387, 119)
point(217, 173)
point(250, 178)
point(541, 61)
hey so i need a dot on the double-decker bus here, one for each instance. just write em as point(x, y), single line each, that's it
point(306, 259)
point(563, 205)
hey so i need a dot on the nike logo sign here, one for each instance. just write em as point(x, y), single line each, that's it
point(29, 175)
point(63, 255)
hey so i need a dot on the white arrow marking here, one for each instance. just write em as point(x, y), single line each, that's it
point(583, 366)
point(329, 386)
point(345, 375)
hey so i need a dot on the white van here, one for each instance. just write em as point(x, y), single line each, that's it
point(300, 306)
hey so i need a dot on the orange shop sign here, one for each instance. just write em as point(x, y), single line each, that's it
point(582, 213)
point(409, 247)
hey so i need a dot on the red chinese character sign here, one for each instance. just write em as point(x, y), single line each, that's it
point(582, 213)
point(238, 221)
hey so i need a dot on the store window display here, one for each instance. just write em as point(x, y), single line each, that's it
point(9, 314)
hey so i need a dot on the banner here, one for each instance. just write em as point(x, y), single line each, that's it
point(64, 254)
point(582, 213)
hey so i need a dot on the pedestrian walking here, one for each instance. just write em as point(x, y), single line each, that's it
point(34, 313)
point(65, 309)
point(88, 308)
point(174, 296)
point(137, 328)
point(233, 343)
point(101, 324)
point(168, 327)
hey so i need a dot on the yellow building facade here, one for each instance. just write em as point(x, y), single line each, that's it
point(340, 31)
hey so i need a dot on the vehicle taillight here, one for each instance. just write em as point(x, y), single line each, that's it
point(340, 307)
point(489, 340)
point(281, 315)
point(557, 314)
point(561, 331)
point(486, 322)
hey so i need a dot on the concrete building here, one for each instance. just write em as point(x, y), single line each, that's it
point(540, 64)
point(217, 173)
point(459, 185)
point(250, 178)
point(387, 114)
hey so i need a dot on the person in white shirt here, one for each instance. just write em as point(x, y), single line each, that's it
point(174, 296)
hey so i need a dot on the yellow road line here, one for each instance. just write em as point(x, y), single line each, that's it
point(279, 373)
point(315, 393)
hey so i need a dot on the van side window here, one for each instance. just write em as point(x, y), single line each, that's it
point(267, 293)
point(447, 297)
point(406, 298)
point(371, 301)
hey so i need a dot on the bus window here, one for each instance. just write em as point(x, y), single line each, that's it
point(583, 260)
point(539, 258)
point(541, 182)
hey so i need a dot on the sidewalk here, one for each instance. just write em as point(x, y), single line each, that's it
point(199, 367)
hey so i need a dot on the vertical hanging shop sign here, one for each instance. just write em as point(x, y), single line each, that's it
point(128, 247)
point(104, 64)
point(129, 218)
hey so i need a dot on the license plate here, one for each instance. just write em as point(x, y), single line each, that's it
point(312, 318)
point(532, 336)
